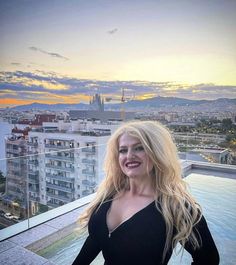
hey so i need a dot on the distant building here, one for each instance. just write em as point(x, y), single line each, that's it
point(103, 116)
point(38, 120)
point(200, 137)
point(96, 112)
point(16, 177)
point(96, 103)
point(220, 155)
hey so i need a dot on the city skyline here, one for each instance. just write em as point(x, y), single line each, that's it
point(66, 51)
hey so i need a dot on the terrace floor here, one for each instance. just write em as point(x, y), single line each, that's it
point(20, 248)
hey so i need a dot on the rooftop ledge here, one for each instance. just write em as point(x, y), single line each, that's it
point(40, 231)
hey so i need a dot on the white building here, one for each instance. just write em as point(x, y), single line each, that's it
point(16, 185)
point(66, 160)
point(201, 137)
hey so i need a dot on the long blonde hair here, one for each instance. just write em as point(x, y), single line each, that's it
point(179, 209)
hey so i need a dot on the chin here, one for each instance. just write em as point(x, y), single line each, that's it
point(133, 176)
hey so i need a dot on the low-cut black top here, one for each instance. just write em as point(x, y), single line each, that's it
point(140, 240)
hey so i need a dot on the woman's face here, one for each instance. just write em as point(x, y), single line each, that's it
point(133, 160)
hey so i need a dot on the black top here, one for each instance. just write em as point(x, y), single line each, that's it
point(139, 241)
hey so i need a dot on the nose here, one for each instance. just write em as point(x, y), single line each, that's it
point(130, 153)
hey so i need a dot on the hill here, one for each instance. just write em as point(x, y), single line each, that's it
point(155, 102)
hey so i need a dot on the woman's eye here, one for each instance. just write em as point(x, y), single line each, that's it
point(122, 151)
point(139, 148)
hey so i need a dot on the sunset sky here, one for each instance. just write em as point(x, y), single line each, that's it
point(64, 51)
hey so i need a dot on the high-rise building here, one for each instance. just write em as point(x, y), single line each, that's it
point(16, 165)
point(66, 160)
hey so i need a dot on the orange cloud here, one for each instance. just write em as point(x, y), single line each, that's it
point(145, 96)
point(71, 99)
point(13, 102)
point(75, 99)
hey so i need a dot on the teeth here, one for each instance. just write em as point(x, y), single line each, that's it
point(132, 164)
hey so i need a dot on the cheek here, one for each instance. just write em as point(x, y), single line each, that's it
point(120, 159)
point(149, 164)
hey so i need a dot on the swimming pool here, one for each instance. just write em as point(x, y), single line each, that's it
point(217, 196)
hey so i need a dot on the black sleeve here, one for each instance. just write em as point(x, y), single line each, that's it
point(207, 253)
point(91, 247)
point(88, 252)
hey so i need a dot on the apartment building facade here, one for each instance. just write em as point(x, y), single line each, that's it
point(66, 160)
point(16, 172)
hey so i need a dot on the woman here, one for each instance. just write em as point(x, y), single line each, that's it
point(142, 208)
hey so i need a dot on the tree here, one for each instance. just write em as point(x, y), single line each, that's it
point(227, 124)
point(2, 177)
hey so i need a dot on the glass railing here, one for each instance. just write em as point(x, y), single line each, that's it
point(36, 182)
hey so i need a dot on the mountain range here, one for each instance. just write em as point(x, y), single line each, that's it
point(155, 102)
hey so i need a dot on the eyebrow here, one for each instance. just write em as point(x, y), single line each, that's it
point(125, 146)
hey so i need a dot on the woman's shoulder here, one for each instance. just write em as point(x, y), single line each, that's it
point(97, 219)
point(101, 208)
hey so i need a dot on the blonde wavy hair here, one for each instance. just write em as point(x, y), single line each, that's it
point(179, 209)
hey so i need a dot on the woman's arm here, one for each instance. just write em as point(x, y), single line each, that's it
point(207, 253)
point(88, 252)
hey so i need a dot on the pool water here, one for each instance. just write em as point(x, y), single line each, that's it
point(216, 195)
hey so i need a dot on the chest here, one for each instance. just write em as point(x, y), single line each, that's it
point(141, 237)
point(121, 211)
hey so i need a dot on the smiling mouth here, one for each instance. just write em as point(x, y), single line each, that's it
point(132, 164)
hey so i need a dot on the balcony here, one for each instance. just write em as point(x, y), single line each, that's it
point(59, 177)
point(91, 184)
point(34, 144)
point(86, 192)
point(14, 168)
point(33, 173)
point(60, 197)
point(33, 162)
point(32, 179)
point(14, 151)
point(88, 173)
point(59, 187)
point(60, 158)
point(61, 168)
point(16, 181)
point(33, 152)
point(14, 191)
point(89, 161)
point(34, 188)
point(61, 147)
point(55, 204)
point(34, 198)
point(17, 162)
point(89, 150)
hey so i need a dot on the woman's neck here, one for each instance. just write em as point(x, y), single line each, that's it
point(140, 189)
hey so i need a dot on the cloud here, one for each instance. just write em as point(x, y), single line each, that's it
point(52, 54)
point(112, 31)
point(46, 86)
point(15, 63)
point(201, 91)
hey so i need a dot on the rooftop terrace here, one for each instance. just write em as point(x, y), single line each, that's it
point(19, 242)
